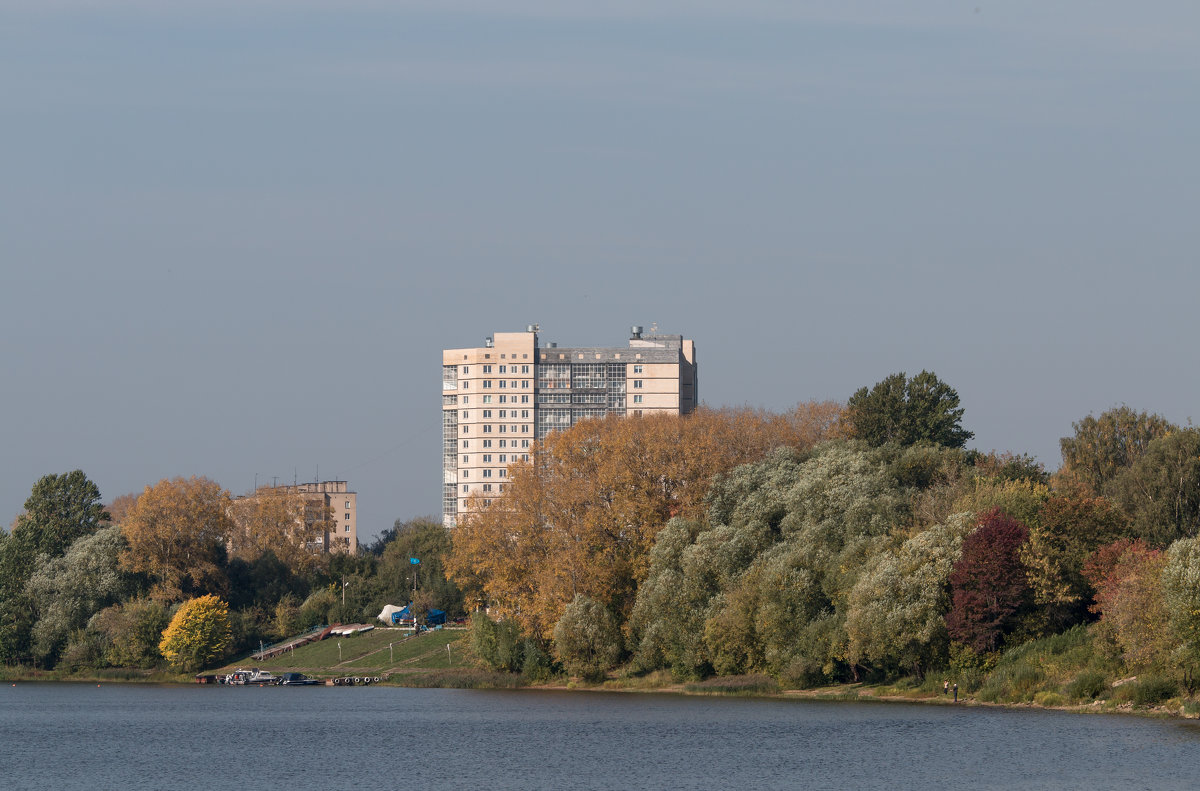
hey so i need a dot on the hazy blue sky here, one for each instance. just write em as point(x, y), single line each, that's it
point(220, 221)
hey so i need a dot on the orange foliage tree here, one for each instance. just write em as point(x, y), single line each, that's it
point(280, 520)
point(580, 518)
point(176, 534)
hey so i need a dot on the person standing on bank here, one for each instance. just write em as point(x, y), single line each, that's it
point(945, 687)
point(956, 693)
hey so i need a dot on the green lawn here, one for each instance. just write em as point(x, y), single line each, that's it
point(367, 651)
point(426, 652)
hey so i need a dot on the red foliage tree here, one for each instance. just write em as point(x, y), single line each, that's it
point(988, 585)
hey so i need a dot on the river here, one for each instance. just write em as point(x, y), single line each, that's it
point(114, 736)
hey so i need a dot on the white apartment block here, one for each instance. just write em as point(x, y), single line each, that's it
point(498, 399)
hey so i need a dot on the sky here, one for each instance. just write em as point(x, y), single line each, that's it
point(235, 236)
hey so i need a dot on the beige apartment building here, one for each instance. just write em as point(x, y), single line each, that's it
point(499, 398)
point(326, 498)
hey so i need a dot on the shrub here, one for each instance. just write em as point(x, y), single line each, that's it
point(199, 633)
point(1049, 699)
point(1151, 691)
point(1088, 685)
point(587, 639)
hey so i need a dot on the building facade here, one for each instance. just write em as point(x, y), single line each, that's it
point(328, 503)
point(500, 398)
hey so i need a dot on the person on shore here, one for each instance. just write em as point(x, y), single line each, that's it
point(945, 687)
point(956, 693)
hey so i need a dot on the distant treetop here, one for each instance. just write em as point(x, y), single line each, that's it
point(907, 411)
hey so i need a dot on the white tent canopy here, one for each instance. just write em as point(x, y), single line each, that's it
point(386, 614)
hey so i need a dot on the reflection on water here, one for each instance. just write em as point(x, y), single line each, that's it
point(77, 736)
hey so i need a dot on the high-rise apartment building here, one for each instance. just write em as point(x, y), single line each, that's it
point(498, 399)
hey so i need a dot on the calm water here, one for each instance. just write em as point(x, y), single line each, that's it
point(76, 736)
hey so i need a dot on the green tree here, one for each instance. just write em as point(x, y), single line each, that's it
point(587, 640)
point(199, 633)
point(896, 609)
point(1181, 594)
point(66, 591)
point(1161, 491)
point(425, 539)
point(907, 411)
point(60, 509)
point(129, 633)
point(1103, 447)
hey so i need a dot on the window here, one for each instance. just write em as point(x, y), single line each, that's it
point(347, 507)
point(466, 369)
point(513, 384)
point(502, 443)
point(487, 487)
point(502, 369)
point(503, 473)
point(504, 398)
point(487, 443)
point(464, 429)
point(487, 473)
point(463, 414)
point(347, 517)
point(347, 528)
point(466, 473)
point(637, 383)
point(487, 413)
point(524, 399)
point(525, 444)
point(524, 369)
point(503, 458)
point(466, 385)
point(525, 429)
point(487, 457)
point(524, 384)
point(466, 488)
point(502, 427)
point(487, 429)
point(525, 413)
point(637, 369)
point(487, 399)
point(466, 459)
point(503, 384)
point(487, 383)
point(487, 369)
point(466, 399)
point(637, 399)
point(524, 457)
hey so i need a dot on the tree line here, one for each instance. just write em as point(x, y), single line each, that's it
point(837, 543)
point(183, 574)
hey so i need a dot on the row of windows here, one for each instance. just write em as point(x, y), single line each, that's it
point(487, 473)
point(504, 399)
point(504, 413)
point(505, 428)
point(487, 487)
point(504, 443)
point(487, 458)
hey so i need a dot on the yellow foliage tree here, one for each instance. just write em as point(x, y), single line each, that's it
point(580, 518)
point(176, 533)
point(199, 633)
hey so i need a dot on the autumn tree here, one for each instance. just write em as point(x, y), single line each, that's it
point(128, 633)
point(1104, 446)
point(1133, 612)
point(581, 516)
point(198, 633)
point(279, 520)
point(1181, 595)
point(1067, 530)
point(176, 535)
point(907, 411)
point(987, 585)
